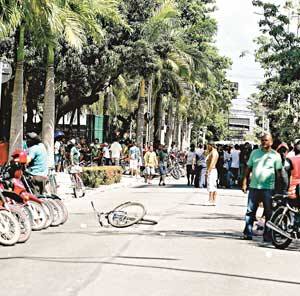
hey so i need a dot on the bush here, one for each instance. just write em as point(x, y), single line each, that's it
point(104, 175)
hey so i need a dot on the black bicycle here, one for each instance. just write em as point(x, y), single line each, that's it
point(124, 215)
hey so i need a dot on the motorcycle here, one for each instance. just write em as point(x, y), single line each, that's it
point(285, 221)
point(10, 230)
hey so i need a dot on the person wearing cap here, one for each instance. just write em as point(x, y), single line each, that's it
point(37, 160)
point(212, 173)
point(265, 166)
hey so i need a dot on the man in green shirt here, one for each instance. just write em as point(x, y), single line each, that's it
point(265, 167)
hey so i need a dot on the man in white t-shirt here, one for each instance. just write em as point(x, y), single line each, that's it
point(235, 162)
point(116, 152)
point(134, 156)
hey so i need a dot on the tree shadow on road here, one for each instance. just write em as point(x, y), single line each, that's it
point(217, 216)
point(151, 233)
point(112, 261)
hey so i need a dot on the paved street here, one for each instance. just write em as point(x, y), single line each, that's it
point(194, 250)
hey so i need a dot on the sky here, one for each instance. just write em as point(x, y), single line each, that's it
point(237, 29)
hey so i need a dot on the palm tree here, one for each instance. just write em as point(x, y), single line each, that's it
point(21, 17)
point(76, 20)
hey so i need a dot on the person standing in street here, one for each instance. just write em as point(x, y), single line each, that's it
point(212, 173)
point(150, 164)
point(106, 155)
point(235, 163)
point(134, 156)
point(190, 165)
point(116, 152)
point(265, 167)
point(162, 160)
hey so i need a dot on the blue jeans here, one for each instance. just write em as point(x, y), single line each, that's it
point(254, 198)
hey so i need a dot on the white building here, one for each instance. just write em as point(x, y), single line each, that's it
point(241, 119)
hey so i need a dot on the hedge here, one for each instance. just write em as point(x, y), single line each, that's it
point(105, 175)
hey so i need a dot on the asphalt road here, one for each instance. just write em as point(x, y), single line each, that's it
point(194, 250)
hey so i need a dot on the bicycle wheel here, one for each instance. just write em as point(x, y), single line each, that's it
point(9, 228)
point(126, 214)
point(175, 173)
point(78, 189)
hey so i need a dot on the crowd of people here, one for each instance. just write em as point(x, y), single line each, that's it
point(262, 170)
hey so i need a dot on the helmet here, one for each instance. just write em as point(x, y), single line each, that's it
point(20, 156)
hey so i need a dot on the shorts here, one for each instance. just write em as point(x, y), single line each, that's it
point(212, 179)
point(57, 159)
point(133, 164)
point(75, 169)
point(150, 171)
point(162, 169)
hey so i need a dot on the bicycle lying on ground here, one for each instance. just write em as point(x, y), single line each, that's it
point(124, 215)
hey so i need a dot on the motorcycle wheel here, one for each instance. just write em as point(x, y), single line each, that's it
point(9, 228)
point(279, 241)
point(58, 214)
point(39, 217)
point(24, 222)
point(49, 212)
point(64, 210)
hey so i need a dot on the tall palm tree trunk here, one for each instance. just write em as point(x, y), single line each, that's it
point(158, 119)
point(170, 123)
point(49, 108)
point(140, 116)
point(106, 125)
point(16, 124)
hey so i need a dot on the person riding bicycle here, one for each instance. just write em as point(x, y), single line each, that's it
point(37, 160)
point(74, 157)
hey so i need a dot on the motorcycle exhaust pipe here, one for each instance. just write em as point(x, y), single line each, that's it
point(272, 226)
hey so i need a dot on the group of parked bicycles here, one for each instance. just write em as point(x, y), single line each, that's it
point(22, 208)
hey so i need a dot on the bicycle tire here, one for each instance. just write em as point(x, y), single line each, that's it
point(120, 217)
point(78, 187)
point(147, 222)
point(175, 174)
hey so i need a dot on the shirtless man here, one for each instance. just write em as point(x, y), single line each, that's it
point(212, 173)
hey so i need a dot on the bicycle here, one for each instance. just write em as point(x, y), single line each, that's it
point(77, 183)
point(124, 215)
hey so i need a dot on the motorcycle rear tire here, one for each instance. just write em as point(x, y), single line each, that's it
point(285, 242)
